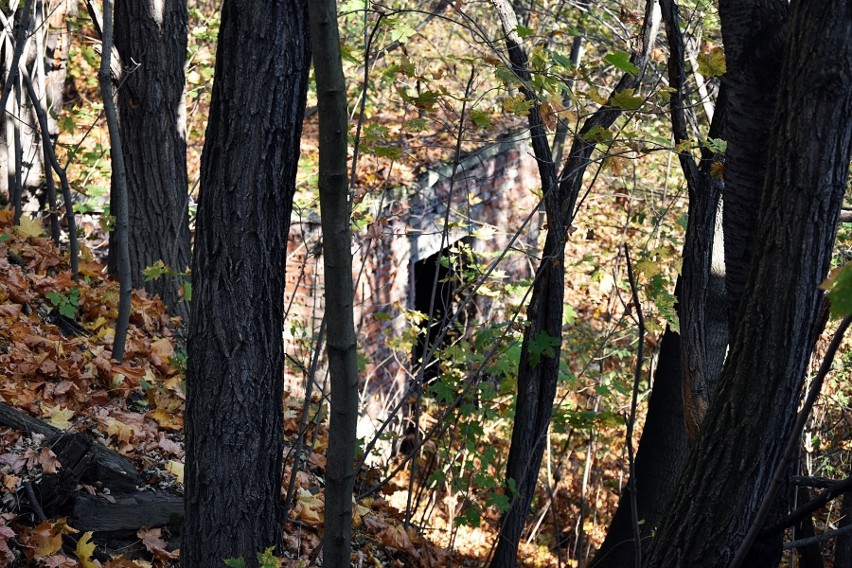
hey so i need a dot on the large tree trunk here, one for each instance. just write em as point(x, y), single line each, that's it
point(754, 32)
point(234, 384)
point(748, 425)
point(151, 39)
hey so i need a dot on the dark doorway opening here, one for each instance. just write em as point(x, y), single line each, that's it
point(435, 283)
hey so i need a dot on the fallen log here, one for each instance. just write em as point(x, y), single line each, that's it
point(126, 513)
point(85, 460)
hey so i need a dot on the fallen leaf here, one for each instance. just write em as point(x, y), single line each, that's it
point(85, 549)
point(48, 461)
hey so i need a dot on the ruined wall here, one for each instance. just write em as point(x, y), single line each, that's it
point(488, 198)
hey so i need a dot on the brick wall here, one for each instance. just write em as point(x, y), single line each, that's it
point(492, 189)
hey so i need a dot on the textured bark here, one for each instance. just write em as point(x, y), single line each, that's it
point(152, 35)
point(754, 32)
point(659, 460)
point(336, 209)
point(748, 425)
point(702, 311)
point(234, 388)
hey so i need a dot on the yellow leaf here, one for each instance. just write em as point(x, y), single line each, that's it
point(176, 469)
point(29, 227)
point(309, 508)
point(59, 417)
point(84, 551)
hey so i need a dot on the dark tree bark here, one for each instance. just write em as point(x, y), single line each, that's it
point(234, 384)
point(151, 39)
point(754, 32)
point(118, 199)
point(336, 209)
point(659, 460)
point(747, 427)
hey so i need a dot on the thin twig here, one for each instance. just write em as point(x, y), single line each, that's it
point(63, 179)
point(818, 538)
point(637, 377)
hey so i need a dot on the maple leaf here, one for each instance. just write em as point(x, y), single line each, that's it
point(59, 417)
point(85, 549)
point(45, 539)
point(6, 534)
point(48, 461)
point(29, 227)
point(153, 541)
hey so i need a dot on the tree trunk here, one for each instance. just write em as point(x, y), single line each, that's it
point(336, 210)
point(234, 384)
point(151, 39)
point(754, 32)
point(748, 425)
point(659, 460)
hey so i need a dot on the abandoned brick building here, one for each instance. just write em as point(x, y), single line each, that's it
point(488, 203)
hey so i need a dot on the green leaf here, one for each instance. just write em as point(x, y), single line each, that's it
point(627, 100)
point(839, 286)
point(524, 31)
point(563, 61)
point(391, 152)
point(481, 118)
point(597, 133)
point(542, 345)
point(416, 125)
point(716, 145)
point(187, 290)
point(425, 100)
point(712, 64)
point(235, 562)
point(68, 311)
point(621, 60)
point(155, 271)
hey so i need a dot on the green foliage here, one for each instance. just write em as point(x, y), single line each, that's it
point(621, 60)
point(265, 559)
point(66, 304)
point(839, 286)
point(542, 345)
point(712, 63)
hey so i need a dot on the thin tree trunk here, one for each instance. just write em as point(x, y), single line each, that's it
point(234, 406)
point(748, 425)
point(151, 39)
point(119, 182)
point(336, 207)
point(540, 351)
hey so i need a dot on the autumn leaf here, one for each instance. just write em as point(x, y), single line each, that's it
point(176, 469)
point(309, 508)
point(395, 537)
point(28, 227)
point(59, 417)
point(48, 461)
point(712, 63)
point(85, 549)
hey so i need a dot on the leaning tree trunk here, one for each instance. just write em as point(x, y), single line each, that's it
point(748, 425)
point(234, 388)
point(151, 39)
point(659, 460)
